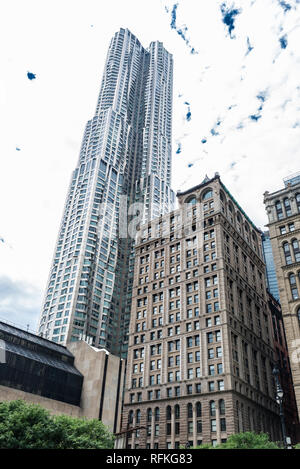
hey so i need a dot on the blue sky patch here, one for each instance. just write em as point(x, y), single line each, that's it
point(31, 76)
point(283, 42)
point(229, 16)
point(286, 6)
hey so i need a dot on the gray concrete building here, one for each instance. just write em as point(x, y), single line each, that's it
point(201, 350)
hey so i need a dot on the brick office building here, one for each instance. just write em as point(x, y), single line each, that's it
point(283, 209)
point(200, 345)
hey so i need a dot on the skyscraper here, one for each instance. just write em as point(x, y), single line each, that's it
point(124, 166)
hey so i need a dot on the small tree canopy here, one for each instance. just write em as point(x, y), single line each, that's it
point(31, 426)
point(246, 440)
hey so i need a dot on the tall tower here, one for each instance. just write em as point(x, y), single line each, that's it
point(283, 209)
point(124, 166)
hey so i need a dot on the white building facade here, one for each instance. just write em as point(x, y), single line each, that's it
point(124, 167)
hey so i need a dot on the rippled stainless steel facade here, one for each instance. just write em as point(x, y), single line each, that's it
point(125, 158)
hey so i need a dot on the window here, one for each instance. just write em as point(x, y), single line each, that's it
point(199, 426)
point(191, 200)
point(282, 230)
point(223, 425)
point(207, 195)
point(298, 202)
point(296, 250)
point(222, 407)
point(213, 425)
point(189, 389)
point(210, 337)
point(287, 253)
point(291, 227)
point(130, 417)
point(198, 388)
point(294, 288)
point(279, 211)
point(211, 386)
point(221, 385)
point(287, 207)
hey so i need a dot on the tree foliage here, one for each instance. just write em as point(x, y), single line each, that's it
point(31, 426)
point(246, 440)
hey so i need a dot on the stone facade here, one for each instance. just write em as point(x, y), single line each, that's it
point(103, 382)
point(283, 209)
point(200, 344)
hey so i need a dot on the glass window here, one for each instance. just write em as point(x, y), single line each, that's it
point(207, 195)
point(287, 253)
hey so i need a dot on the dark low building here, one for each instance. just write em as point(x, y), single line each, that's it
point(39, 366)
point(77, 380)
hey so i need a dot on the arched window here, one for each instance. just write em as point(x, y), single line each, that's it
point(212, 408)
point(287, 207)
point(149, 415)
point(230, 207)
point(238, 217)
point(279, 211)
point(207, 194)
point(222, 406)
point(190, 410)
point(254, 237)
point(298, 202)
point(191, 200)
point(287, 253)
point(222, 197)
point(296, 250)
point(294, 288)
point(198, 409)
point(168, 412)
point(156, 414)
point(130, 417)
point(177, 411)
point(138, 416)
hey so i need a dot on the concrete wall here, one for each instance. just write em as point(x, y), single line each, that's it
point(102, 384)
point(55, 407)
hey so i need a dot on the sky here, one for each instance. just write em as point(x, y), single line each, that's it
point(235, 110)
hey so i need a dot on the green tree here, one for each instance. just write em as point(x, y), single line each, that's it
point(246, 440)
point(31, 426)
